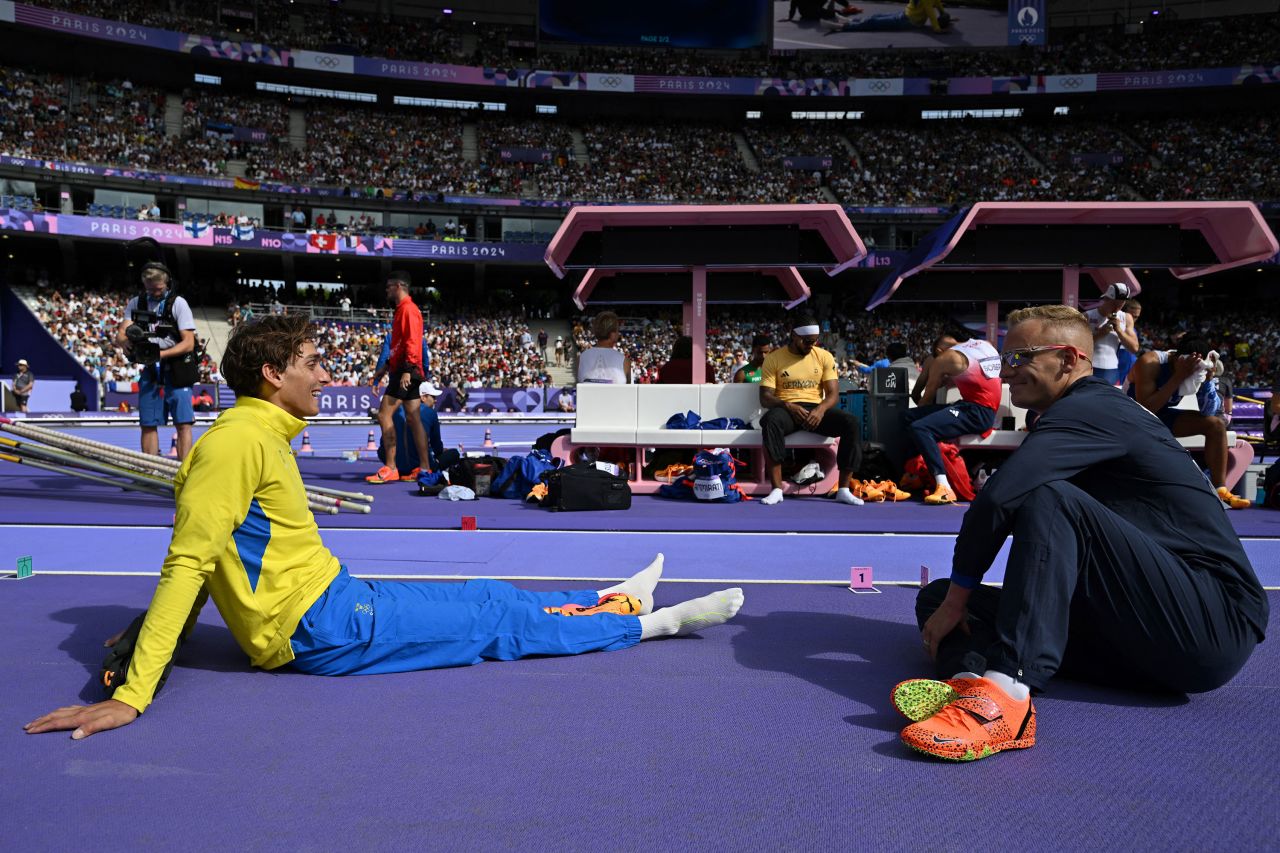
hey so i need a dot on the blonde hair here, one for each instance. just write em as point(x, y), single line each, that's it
point(604, 324)
point(1060, 320)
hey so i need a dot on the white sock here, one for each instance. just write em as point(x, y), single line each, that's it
point(688, 617)
point(774, 497)
point(1016, 689)
point(969, 675)
point(942, 481)
point(640, 585)
point(847, 497)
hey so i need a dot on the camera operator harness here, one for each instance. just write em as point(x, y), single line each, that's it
point(151, 327)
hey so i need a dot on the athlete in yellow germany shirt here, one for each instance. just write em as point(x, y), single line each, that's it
point(799, 389)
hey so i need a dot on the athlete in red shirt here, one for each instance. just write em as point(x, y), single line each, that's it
point(405, 373)
point(973, 367)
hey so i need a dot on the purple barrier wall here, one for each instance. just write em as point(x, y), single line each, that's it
point(24, 337)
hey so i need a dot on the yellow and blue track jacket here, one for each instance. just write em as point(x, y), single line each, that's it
point(243, 535)
point(921, 12)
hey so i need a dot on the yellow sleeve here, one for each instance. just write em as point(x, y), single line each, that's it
point(931, 8)
point(215, 488)
point(828, 367)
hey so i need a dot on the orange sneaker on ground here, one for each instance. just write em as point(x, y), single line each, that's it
point(940, 496)
point(981, 721)
point(920, 698)
point(411, 477)
point(867, 490)
point(617, 603)
point(890, 491)
point(386, 474)
point(1232, 501)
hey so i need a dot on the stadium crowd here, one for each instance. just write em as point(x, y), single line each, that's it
point(470, 349)
point(1167, 158)
point(854, 340)
point(1150, 43)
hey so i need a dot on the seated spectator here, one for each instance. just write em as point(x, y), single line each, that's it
point(941, 344)
point(799, 391)
point(679, 369)
point(78, 400)
point(761, 346)
point(203, 401)
point(972, 367)
point(604, 362)
point(442, 457)
point(1160, 380)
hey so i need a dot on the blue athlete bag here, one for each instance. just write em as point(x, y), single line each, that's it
point(521, 474)
point(713, 478)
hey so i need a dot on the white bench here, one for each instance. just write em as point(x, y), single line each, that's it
point(632, 418)
point(999, 438)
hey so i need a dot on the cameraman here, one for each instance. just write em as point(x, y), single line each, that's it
point(164, 342)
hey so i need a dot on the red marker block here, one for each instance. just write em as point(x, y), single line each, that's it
point(468, 522)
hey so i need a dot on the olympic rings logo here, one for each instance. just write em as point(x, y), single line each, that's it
point(326, 61)
point(1071, 82)
point(878, 85)
point(611, 82)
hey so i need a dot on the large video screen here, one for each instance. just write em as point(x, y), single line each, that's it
point(857, 25)
point(716, 24)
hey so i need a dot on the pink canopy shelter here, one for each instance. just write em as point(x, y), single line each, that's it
point(1103, 240)
point(658, 254)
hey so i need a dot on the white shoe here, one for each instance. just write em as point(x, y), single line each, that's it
point(809, 474)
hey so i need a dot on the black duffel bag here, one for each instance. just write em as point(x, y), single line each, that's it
point(583, 486)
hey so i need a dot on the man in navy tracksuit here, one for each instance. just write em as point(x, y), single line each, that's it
point(1123, 568)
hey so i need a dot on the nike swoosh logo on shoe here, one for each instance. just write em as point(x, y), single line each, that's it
point(937, 739)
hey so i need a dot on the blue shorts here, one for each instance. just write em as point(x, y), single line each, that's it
point(361, 627)
point(156, 409)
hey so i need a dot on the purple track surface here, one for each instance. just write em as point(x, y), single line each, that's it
point(771, 733)
point(807, 538)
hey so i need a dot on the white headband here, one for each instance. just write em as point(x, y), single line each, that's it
point(806, 330)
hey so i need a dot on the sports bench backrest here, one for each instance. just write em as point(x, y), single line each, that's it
point(740, 400)
point(606, 406)
point(657, 403)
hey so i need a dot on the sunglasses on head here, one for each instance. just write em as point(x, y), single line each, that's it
point(1019, 357)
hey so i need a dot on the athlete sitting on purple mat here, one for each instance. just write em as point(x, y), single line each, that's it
point(244, 536)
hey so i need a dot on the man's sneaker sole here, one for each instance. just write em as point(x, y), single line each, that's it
point(969, 755)
point(923, 736)
point(964, 752)
point(920, 698)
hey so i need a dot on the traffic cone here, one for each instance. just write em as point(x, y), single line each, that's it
point(488, 439)
point(372, 445)
point(306, 443)
point(173, 446)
